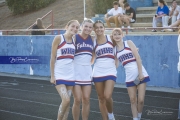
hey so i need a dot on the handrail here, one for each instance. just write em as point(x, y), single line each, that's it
point(136, 28)
point(43, 18)
point(126, 29)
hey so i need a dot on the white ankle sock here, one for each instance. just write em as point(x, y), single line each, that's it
point(122, 27)
point(110, 115)
point(139, 115)
point(135, 119)
point(128, 27)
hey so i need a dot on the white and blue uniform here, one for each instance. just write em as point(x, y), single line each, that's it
point(104, 67)
point(64, 68)
point(82, 60)
point(126, 57)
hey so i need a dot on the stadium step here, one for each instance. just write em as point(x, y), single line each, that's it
point(169, 2)
point(144, 18)
point(137, 25)
point(142, 32)
point(146, 10)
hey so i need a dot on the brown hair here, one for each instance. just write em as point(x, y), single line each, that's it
point(126, 5)
point(70, 22)
point(39, 23)
point(115, 30)
point(115, 3)
point(98, 21)
point(163, 2)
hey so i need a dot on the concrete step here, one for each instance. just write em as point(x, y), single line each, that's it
point(144, 18)
point(169, 2)
point(140, 18)
point(144, 33)
point(137, 25)
point(146, 10)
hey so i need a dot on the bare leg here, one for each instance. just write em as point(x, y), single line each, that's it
point(102, 102)
point(77, 94)
point(86, 91)
point(127, 21)
point(133, 99)
point(63, 92)
point(69, 91)
point(116, 21)
point(120, 20)
point(177, 23)
point(109, 86)
point(141, 95)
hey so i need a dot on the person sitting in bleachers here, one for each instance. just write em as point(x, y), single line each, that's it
point(175, 19)
point(38, 25)
point(176, 24)
point(121, 4)
point(115, 12)
point(129, 17)
point(174, 11)
point(162, 15)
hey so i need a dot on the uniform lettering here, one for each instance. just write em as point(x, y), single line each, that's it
point(79, 45)
point(104, 51)
point(66, 51)
point(125, 57)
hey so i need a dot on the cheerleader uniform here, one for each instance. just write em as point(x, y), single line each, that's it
point(126, 57)
point(64, 68)
point(104, 67)
point(82, 60)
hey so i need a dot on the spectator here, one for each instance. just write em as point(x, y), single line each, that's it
point(115, 12)
point(174, 11)
point(129, 17)
point(176, 24)
point(121, 3)
point(38, 25)
point(161, 15)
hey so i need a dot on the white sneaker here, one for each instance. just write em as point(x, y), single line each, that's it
point(168, 30)
point(112, 119)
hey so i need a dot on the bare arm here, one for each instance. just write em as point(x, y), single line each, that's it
point(131, 15)
point(171, 12)
point(116, 62)
point(93, 53)
point(138, 58)
point(55, 44)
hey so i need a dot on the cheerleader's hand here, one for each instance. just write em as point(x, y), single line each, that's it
point(52, 80)
point(141, 77)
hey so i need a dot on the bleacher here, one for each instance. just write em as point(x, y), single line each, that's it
point(144, 17)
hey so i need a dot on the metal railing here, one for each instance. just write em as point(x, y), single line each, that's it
point(29, 28)
point(59, 30)
point(52, 17)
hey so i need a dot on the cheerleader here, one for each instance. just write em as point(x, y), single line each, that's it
point(136, 75)
point(104, 70)
point(62, 68)
point(83, 70)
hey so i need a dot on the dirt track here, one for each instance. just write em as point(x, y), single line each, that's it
point(63, 12)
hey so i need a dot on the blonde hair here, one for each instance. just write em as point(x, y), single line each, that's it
point(115, 30)
point(87, 20)
point(39, 23)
